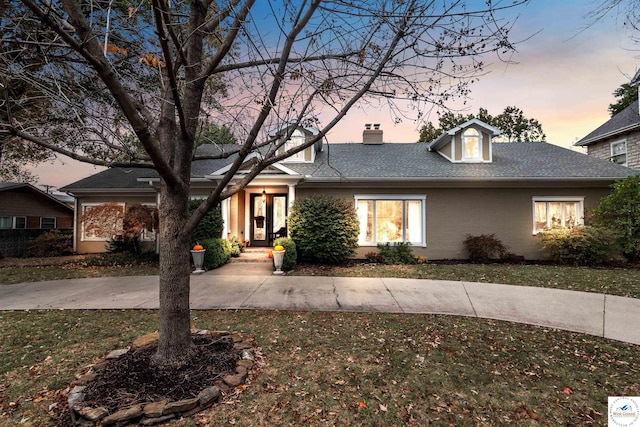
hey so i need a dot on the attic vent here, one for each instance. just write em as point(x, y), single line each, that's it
point(372, 136)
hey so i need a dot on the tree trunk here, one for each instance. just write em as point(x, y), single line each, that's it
point(175, 321)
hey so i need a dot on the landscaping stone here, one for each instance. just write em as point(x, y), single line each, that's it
point(154, 413)
point(124, 415)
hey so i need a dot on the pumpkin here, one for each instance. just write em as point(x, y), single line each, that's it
point(278, 248)
point(270, 254)
point(198, 247)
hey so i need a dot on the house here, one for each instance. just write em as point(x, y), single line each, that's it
point(24, 211)
point(431, 195)
point(618, 139)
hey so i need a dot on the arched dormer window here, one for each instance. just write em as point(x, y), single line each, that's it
point(471, 145)
point(296, 140)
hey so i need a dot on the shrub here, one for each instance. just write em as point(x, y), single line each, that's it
point(398, 253)
point(581, 245)
point(210, 227)
point(121, 259)
point(218, 252)
point(325, 229)
point(51, 243)
point(290, 252)
point(374, 257)
point(620, 213)
point(236, 246)
point(484, 248)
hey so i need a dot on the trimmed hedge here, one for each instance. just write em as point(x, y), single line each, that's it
point(324, 228)
point(218, 252)
point(581, 245)
point(290, 252)
point(484, 248)
point(397, 254)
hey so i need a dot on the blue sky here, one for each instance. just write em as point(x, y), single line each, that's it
point(563, 76)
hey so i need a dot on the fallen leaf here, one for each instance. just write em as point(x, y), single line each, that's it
point(383, 408)
point(362, 404)
point(567, 391)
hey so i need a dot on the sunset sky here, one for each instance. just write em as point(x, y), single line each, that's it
point(563, 74)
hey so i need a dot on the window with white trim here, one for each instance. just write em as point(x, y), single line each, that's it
point(103, 227)
point(13, 222)
point(557, 212)
point(296, 140)
point(47, 223)
point(619, 152)
point(471, 145)
point(391, 218)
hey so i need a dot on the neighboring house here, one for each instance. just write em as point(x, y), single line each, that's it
point(25, 206)
point(429, 195)
point(24, 210)
point(617, 140)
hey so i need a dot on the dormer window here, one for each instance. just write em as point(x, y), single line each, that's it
point(296, 140)
point(471, 145)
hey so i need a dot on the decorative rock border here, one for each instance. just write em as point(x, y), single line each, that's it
point(153, 413)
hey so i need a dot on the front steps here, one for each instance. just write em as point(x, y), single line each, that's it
point(253, 254)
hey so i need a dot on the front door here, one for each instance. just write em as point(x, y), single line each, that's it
point(268, 218)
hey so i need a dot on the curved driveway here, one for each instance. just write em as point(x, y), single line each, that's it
point(251, 287)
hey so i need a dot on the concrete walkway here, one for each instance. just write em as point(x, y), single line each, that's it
point(252, 286)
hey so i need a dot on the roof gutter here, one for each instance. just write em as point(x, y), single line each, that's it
point(607, 135)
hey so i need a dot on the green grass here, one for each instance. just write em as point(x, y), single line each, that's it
point(12, 275)
point(614, 281)
point(344, 368)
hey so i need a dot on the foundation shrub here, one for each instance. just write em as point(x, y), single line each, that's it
point(396, 254)
point(237, 247)
point(50, 244)
point(484, 248)
point(582, 245)
point(218, 252)
point(325, 229)
point(290, 252)
point(209, 227)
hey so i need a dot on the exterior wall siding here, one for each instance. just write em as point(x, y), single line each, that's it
point(602, 149)
point(88, 247)
point(453, 213)
point(26, 203)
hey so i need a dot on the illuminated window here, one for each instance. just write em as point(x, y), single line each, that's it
point(296, 140)
point(100, 222)
point(557, 212)
point(471, 145)
point(391, 218)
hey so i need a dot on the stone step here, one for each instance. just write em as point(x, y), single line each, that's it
point(253, 254)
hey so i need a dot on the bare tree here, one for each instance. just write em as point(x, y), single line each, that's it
point(162, 71)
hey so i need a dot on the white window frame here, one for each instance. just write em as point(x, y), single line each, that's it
point(48, 217)
point(398, 197)
point(149, 235)
point(14, 222)
point(556, 199)
point(83, 237)
point(479, 157)
point(613, 156)
point(296, 140)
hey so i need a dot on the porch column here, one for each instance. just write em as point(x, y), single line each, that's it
point(292, 194)
point(224, 210)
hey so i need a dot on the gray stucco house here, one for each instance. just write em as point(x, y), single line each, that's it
point(431, 195)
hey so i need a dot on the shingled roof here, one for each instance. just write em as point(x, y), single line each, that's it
point(402, 162)
point(625, 121)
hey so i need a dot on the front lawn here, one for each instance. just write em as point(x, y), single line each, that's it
point(343, 368)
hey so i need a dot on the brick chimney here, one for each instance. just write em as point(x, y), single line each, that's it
point(372, 136)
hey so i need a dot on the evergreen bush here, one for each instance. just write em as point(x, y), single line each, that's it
point(209, 227)
point(218, 252)
point(484, 248)
point(290, 252)
point(397, 254)
point(50, 244)
point(325, 229)
point(582, 245)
